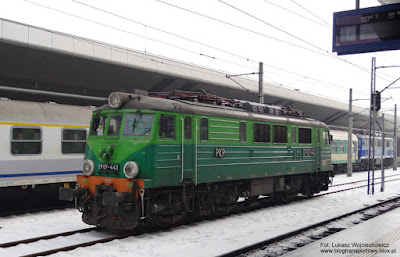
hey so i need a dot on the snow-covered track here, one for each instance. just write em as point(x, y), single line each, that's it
point(47, 237)
point(303, 236)
point(66, 241)
point(360, 181)
point(351, 188)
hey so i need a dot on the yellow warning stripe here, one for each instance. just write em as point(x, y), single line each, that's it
point(42, 125)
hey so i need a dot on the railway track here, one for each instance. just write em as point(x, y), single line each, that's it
point(57, 242)
point(287, 242)
point(360, 181)
point(99, 235)
point(351, 188)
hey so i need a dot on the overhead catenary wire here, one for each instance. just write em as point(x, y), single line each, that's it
point(164, 31)
point(292, 35)
point(132, 33)
point(316, 16)
point(297, 14)
point(241, 28)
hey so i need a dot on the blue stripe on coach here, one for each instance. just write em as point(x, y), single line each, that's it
point(40, 174)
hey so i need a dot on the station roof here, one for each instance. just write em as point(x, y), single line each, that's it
point(34, 58)
point(383, 2)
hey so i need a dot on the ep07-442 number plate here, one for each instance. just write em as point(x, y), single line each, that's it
point(108, 166)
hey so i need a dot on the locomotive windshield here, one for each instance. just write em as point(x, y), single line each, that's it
point(138, 125)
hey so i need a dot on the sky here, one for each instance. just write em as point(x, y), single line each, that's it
point(293, 38)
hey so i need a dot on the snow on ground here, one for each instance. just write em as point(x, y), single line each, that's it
point(207, 238)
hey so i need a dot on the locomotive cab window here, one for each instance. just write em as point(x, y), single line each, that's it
point(305, 136)
point(138, 125)
point(73, 141)
point(167, 126)
point(26, 141)
point(262, 133)
point(98, 125)
point(114, 125)
point(280, 134)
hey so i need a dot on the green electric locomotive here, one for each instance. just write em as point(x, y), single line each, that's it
point(161, 157)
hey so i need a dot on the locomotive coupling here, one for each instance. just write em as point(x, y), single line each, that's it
point(68, 194)
point(114, 199)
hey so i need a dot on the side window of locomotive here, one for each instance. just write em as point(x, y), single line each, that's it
point(242, 131)
point(167, 126)
point(262, 133)
point(138, 125)
point(280, 134)
point(204, 129)
point(98, 124)
point(294, 135)
point(26, 141)
point(304, 136)
point(114, 125)
point(73, 141)
point(188, 127)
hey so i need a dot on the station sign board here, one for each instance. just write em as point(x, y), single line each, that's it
point(367, 30)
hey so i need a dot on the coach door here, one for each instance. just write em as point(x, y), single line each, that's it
point(188, 135)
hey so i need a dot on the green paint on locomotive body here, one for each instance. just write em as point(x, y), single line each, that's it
point(224, 156)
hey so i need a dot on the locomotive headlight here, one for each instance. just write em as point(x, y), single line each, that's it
point(115, 100)
point(131, 170)
point(88, 167)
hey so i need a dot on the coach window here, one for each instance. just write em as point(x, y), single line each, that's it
point(204, 129)
point(167, 126)
point(114, 125)
point(26, 141)
point(341, 146)
point(334, 147)
point(262, 133)
point(188, 127)
point(304, 136)
point(73, 141)
point(98, 125)
point(280, 134)
point(242, 131)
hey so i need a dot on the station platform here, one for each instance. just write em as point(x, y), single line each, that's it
point(379, 236)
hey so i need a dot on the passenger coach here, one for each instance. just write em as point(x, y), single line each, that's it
point(41, 147)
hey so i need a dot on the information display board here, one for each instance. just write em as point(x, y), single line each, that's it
point(367, 30)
